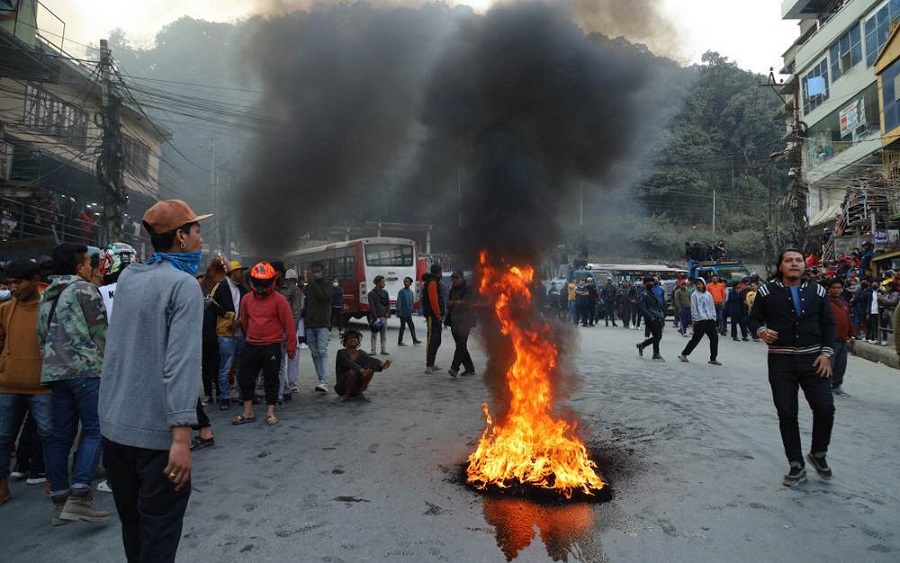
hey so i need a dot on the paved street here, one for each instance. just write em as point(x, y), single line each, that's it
point(692, 452)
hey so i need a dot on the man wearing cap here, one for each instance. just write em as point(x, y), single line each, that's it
point(20, 366)
point(150, 384)
point(226, 300)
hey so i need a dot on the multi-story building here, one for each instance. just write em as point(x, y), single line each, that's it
point(50, 139)
point(833, 105)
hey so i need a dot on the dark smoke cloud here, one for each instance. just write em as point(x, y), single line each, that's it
point(640, 21)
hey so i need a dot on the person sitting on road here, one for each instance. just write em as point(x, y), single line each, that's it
point(354, 368)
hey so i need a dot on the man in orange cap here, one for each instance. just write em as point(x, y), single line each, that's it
point(148, 391)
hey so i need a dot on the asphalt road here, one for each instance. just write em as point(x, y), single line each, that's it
point(692, 452)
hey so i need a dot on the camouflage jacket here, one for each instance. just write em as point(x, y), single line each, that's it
point(72, 341)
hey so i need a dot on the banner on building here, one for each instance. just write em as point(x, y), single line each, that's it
point(852, 117)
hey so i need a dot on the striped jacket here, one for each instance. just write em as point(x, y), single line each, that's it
point(812, 332)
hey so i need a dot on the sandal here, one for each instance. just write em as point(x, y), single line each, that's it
point(241, 419)
point(271, 420)
point(199, 443)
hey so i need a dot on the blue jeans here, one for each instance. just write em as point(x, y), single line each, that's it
point(317, 340)
point(721, 319)
point(685, 318)
point(11, 409)
point(74, 401)
point(229, 348)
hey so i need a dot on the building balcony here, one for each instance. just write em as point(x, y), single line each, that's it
point(808, 9)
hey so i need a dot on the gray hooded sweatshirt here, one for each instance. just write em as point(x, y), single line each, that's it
point(151, 371)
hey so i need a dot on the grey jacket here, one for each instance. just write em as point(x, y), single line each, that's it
point(151, 372)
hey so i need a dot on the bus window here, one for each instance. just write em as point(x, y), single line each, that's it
point(389, 255)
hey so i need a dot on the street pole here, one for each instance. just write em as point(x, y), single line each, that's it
point(214, 182)
point(714, 212)
point(109, 165)
point(581, 204)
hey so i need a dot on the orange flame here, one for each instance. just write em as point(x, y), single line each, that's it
point(529, 446)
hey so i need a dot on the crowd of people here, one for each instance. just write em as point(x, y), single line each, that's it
point(83, 336)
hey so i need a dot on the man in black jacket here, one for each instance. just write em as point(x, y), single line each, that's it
point(654, 317)
point(793, 317)
point(432, 310)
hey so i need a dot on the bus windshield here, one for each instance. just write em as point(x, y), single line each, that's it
point(400, 255)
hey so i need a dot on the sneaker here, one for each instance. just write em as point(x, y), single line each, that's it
point(659, 358)
point(205, 400)
point(745, 339)
point(839, 391)
point(224, 405)
point(56, 519)
point(820, 465)
point(683, 358)
point(384, 353)
point(36, 478)
point(17, 475)
point(401, 344)
point(372, 352)
point(430, 369)
point(735, 338)
point(454, 373)
point(103, 487)
point(795, 476)
point(715, 363)
point(416, 342)
point(321, 388)
point(468, 372)
point(640, 349)
point(82, 509)
point(303, 346)
point(295, 389)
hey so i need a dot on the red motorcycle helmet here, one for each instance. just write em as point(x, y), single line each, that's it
point(262, 278)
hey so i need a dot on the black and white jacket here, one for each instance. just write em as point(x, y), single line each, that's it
point(812, 332)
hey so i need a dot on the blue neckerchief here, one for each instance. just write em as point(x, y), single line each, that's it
point(185, 261)
point(795, 297)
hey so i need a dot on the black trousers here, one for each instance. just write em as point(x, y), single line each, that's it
point(610, 314)
point(710, 329)
point(461, 356)
point(407, 322)
point(435, 326)
point(202, 419)
point(256, 358)
point(788, 374)
point(210, 367)
point(337, 319)
point(654, 325)
point(151, 510)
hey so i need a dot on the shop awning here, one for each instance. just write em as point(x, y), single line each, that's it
point(827, 215)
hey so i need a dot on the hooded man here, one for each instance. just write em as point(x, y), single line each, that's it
point(654, 317)
point(703, 318)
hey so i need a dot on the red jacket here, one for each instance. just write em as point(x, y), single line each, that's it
point(840, 310)
point(266, 320)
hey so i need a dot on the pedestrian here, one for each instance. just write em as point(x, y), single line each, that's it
point(703, 318)
point(266, 318)
point(843, 334)
point(717, 289)
point(793, 317)
point(682, 301)
point(734, 305)
point(584, 302)
point(337, 306)
point(20, 375)
point(571, 300)
point(634, 296)
point(432, 310)
point(72, 335)
point(749, 298)
point(461, 319)
point(354, 368)
point(654, 318)
point(317, 321)
point(405, 299)
point(379, 313)
point(149, 389)
point(288, 367)
point(225, 298)
point(608, 295)
point(623, 306)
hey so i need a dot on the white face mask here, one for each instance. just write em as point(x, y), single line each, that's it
point(334, 284)
point(5, 295)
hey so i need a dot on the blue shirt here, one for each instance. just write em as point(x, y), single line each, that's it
point(795, 297)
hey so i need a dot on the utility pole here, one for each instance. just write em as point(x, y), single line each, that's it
point(581, 204)
point(714, 212)
point(214, 182)
point(110, 162)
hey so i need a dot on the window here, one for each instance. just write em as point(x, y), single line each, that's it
point(389, 255)
point(815, 86)
point(53, 117)
point(137, 157)
point(878, 27)
point(845, 52)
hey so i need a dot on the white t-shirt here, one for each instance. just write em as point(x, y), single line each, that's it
point(873, 310)
point(108, 292)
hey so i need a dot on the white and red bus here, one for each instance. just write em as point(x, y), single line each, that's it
point(355, 263)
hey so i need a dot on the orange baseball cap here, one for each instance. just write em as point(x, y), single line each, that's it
point(169, 214)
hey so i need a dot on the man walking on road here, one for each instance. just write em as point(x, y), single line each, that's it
point(432, 310)
point(148, 395)
point(703, 315)
point(608, 294)
point(718, 291)
point(405, 299)
point(318, 322)
point(843, 333)
point(461, 319)
point(793, 317)
point(654, 317)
